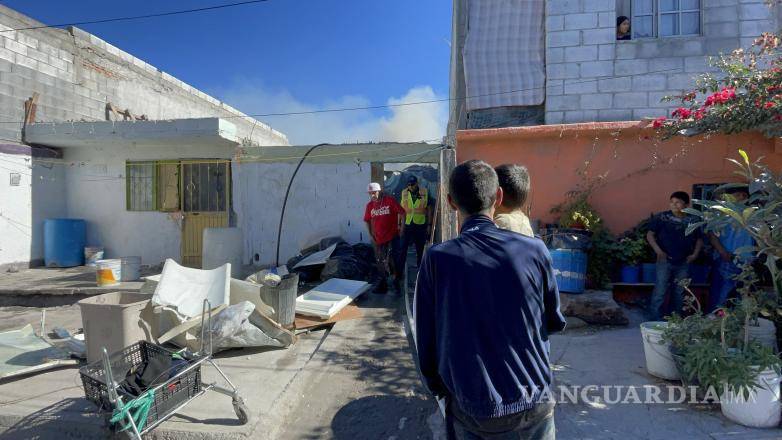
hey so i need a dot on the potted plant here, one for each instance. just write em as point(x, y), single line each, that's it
point(630, 253)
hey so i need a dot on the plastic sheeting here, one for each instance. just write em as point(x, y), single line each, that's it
point(185, 289)
point(23, 352)
point(327, 299)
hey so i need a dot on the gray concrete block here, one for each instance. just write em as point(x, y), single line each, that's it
point(565, 102)
point(656, 99)
point(721, 30)
point(716, 46)
point(555, 55)
point(555, 117)
point(599, 6)
point(556, 7)
point(622, 84)
point(666, 65)
point(594, 69)
point(630, 67)
point(625, 50)
point(579, 87)
point(639, 114)
point(581, 21)
point(682, 81)
point(580, 53)
point(756, 27)
point(590, 115)
point(57, 63)
point(649, 82)
point(555, 23)
point(631, 100)
point(606, 19)
point(755, 11)
point(562, 71)
point(15, 46)
point(43, 78)
point(563, 38)
point(720, 14)
point(37, 55)
point(7, 54)
point(574, 117)
point(697, 64)
point(48, 49)
point(554, 87)
point(597, 101)
point(614, 115)
point(25, 61)
point(606, 52)
point(25, 38)
point(599, 36)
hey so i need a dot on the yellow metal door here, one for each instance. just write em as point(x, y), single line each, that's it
point(205, 203)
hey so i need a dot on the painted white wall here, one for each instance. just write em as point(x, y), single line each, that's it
point(40, 195)
point(325, 200)
point(96, 193)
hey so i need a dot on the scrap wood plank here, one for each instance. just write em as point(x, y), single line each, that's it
point(304, 322)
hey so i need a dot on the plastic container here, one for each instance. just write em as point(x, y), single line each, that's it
point(112, 321)
point(659, 360)
point(570, 269)
point(92, 255)
point(630, 274)
point(761, 409)
point(130, 268)
point(109, 272)
point(649, 273)
point(63, 242)
point(765, 333)
point(282, 298)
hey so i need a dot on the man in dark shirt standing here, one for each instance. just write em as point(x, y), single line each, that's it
point(485, 303)
point(675, 250)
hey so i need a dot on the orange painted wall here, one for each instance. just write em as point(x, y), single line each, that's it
point(640, 171)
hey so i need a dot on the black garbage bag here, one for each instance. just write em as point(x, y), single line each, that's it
point(567, 238)
point(364, 252)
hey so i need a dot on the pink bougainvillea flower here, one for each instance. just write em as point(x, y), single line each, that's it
point(658, 122)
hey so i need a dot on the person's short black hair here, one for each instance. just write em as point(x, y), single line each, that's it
point(473, 186)
point(621, 19)
point(514, 180)
point(681, 195)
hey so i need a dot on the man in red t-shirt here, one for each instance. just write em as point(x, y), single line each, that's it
point(384, 218)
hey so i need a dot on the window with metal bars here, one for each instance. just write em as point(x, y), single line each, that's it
point(171, 185)
point(141, 186)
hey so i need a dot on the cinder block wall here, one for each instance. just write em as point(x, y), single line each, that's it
point(592, 77)
point(76, 74)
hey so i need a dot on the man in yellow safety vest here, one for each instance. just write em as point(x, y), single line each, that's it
point(415, 202)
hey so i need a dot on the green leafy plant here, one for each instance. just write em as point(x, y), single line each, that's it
point(631, 250)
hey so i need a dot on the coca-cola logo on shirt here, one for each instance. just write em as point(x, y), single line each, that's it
point(385, 210)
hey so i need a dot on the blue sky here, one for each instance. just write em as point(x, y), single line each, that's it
point(290, 55)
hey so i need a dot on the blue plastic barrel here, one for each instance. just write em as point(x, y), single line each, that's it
point(631, 274)
point(63, 242)
point(570, 269)
point(649, 273)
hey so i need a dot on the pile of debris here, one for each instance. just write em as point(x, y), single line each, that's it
point(333, 257)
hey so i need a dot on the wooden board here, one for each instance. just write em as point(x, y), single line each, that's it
point(350, 311)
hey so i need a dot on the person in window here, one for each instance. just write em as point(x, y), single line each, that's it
point(622, 28)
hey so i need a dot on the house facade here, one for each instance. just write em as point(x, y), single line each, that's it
point(575, 110)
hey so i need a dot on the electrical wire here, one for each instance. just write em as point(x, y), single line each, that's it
point(377, 107)
point(137, 17)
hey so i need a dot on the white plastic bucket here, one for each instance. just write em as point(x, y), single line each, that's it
point(131, 268)
point(109, 272)
point(92, 255)
point(765, 333)
point(761, 409)
point(659, 360)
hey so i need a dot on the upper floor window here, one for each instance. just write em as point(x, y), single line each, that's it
point(665, 18)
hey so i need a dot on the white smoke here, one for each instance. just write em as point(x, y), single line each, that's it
point(401, 123)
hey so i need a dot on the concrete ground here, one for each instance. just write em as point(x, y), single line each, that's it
point(358, 381)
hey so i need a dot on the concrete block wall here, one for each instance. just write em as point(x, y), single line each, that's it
point(592, 77)
point(76, 74)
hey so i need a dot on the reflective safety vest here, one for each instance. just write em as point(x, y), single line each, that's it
point(416, 211)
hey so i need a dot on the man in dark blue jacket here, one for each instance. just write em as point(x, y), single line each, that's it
point(485, 303)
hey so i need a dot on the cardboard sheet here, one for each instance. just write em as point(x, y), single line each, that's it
point(304, 322)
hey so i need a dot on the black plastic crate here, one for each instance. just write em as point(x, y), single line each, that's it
point(172, 394)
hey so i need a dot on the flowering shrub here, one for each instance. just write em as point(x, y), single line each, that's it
point(746, 95)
